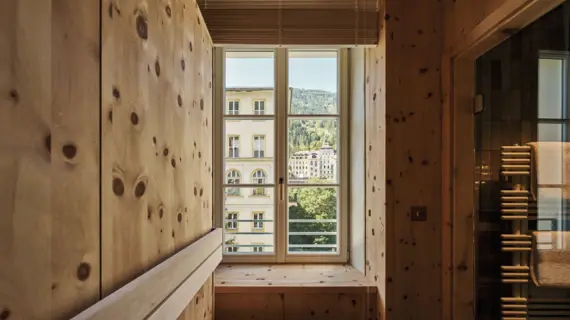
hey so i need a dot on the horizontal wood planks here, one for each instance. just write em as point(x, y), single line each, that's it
point(49, 158)
point(404, 108)
point(156, 137)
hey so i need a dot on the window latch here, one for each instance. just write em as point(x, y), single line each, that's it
point(281, 189)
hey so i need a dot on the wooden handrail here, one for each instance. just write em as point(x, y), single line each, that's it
point(164, 291)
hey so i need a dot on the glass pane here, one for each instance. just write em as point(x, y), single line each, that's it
point(313, 151)
point(549, 132)
point(313, 220)
point(313, 82)
point(249, 149)
point(250, 83)
point(249, 221)
point(550, 88)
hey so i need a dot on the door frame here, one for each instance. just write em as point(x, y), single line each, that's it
point(458, 152)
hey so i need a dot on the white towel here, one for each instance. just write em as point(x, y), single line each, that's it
point(550, 259)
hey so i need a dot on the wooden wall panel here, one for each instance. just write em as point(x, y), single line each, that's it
point(404, 102)
point(49, 158)
point(289, 305)
point(156, 138)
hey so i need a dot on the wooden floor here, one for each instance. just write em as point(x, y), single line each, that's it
point(230, 278)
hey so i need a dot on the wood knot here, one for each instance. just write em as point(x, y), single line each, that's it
point(190, 46)
point(165, 152)
point(5, 314)
point(116, 93)
point(69, 151)
point(142, 27)
point(179, 218)
point(140, 189)
point(149, 213)
point(201, 104)
point(182, 64)
point(154, 140)
point(168, 11)
point(195, 191)
point(179, 101)
point(118, 187)
point(134, 118)
point(173, 162)
point(157, 67)
point(47, 143)
point(161, 211)
point(110, 115)
point(15, 96)
point(83, 271)
point(201, 191)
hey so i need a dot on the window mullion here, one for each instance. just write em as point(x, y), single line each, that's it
point(281, 159)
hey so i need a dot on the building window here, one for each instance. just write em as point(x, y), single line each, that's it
point(233, 107)
point(233, 147)
point(258, 146)
point(259, 107)
point(258, 177)
point(231, 249)
point(297, 160)
point(233, 177)
point(258, 220)
point(232, 221)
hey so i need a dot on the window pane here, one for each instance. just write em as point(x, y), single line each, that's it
point(248, 221)
point(313, 220)
point(249, 146)
point(549, 132)
point(313, 82)
point(550, 88)
point(250, 79)
point(313, 151)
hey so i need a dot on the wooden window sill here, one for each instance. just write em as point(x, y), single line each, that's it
point(236, 278)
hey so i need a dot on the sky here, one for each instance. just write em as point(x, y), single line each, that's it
point(306, 73)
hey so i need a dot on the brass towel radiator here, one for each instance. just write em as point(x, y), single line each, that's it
point(517, 208)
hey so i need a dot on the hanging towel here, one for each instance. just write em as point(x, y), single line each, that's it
point(550, 170)
point(550, 259)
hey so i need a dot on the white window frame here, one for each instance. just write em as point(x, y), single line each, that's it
point(233, 146)
point(281, 118)
point(233, 107)
point(258, 225)
point(259, 107)
point(261, 152)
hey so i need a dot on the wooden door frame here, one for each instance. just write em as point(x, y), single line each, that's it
point(458, 152)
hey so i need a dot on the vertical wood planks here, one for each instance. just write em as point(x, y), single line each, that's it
point(156, 136)
point(403, 80)
point(49, 164)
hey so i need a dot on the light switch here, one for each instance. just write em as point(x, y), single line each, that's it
point(418, 213)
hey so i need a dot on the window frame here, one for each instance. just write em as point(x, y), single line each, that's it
point(230, 112)
point(262, 145)
point(261, 227)
point(230, 147)
point(260, 112)
point(280, 117)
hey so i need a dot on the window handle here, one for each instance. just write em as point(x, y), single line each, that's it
point(281, 188)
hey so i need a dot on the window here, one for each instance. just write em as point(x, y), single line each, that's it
point(258, 177)
point(258, 220)
point(258, 146)
point(233, 177)
point(259, 107)
point(297, 160)
point(233, 107)
point(233, 143)
point(232, 221)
